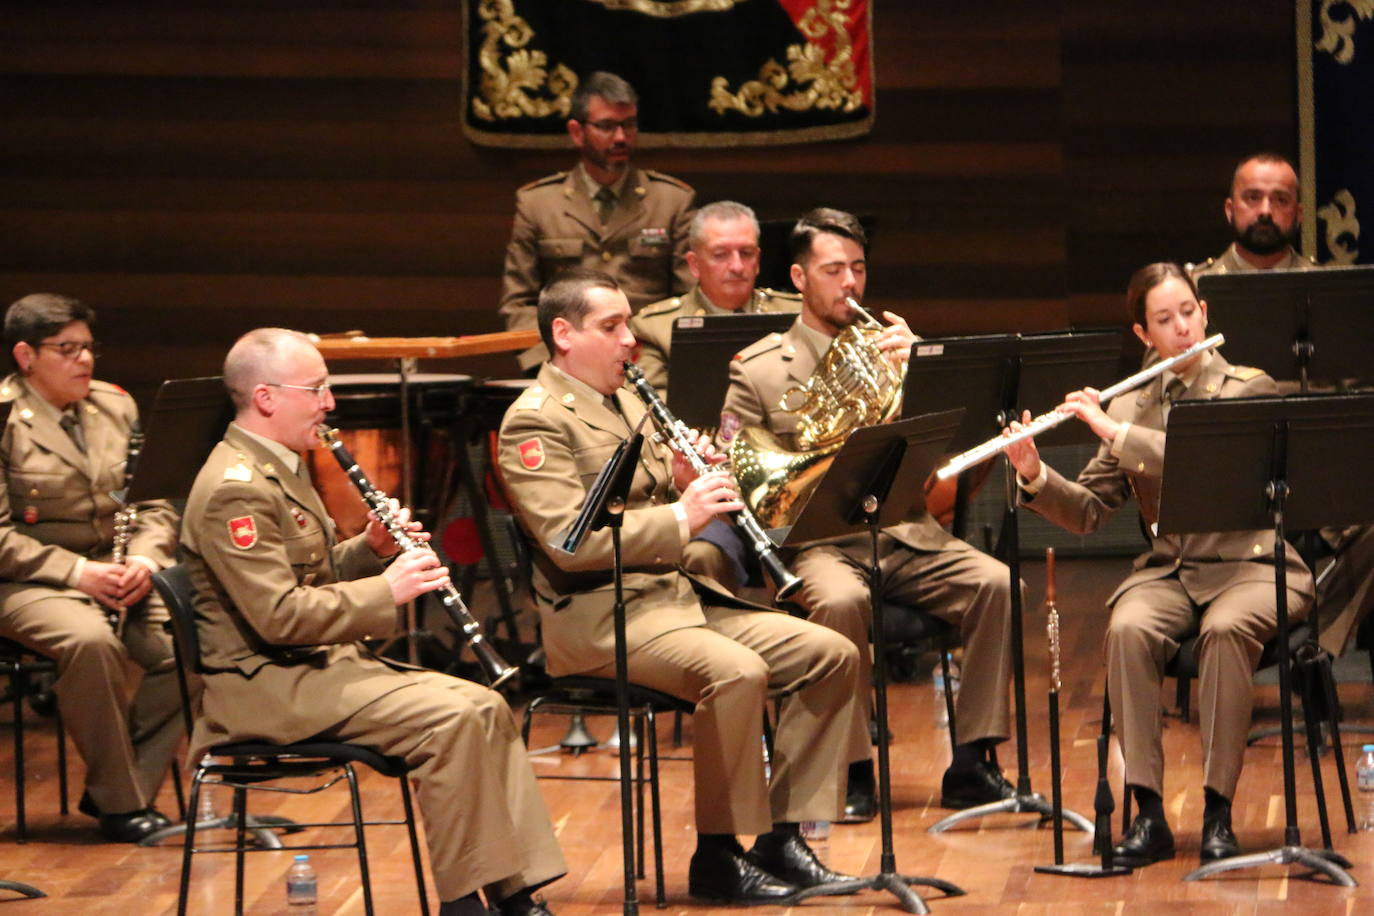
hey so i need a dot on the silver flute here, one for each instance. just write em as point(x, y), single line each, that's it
point(676, 433)
point(493, 665)
point(1046, 421)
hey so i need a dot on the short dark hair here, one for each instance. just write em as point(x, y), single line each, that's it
point(1146, 279)
point(1267, 156)
point(824, 220)
point(566, 297)
point(39, 316)
point(605, 86)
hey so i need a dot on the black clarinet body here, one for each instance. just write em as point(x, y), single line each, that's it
point(495, 668)
point(676, 432)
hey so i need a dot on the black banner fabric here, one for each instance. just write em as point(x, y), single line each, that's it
point(708, 72)
point(1338, 128)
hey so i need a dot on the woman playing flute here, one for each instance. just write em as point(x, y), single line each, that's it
point(1220, 585)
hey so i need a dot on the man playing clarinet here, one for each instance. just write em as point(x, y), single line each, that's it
point(282, 610)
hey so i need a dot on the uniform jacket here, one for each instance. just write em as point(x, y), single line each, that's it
point(759, 375)
point(57, 504)
point(653, 327)
point(644, 245)
point(279, 603)
point(1206, 563)
point(555, 439)
point(1229, 262)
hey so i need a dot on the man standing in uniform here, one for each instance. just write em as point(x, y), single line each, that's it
point(686, 636)
point(282, 610)
point(923, 566)
point(64, 449)
point(723, 255)
point(604, 214)
point(1265, 218)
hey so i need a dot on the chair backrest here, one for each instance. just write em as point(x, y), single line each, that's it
point(174, 585)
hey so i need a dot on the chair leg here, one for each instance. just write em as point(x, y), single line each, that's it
point(188, 847)
point(949, 700)
point(18, 687)
point(640, 738)
point(62, 765)
point(240, 843)
point(179, 789)
point(660, 894)
point(414, 845)
point(360, 837)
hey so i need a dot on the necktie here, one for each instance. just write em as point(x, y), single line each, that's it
point(72, 427)
point(1172, 392)
point(605, 203)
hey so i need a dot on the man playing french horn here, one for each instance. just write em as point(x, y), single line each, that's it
point(923, 566)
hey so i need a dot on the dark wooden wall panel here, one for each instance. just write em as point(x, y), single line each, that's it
point(198, 168)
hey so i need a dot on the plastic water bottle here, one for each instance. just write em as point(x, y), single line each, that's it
point(207, 797)
point(817, 836)
point(1364, 779)
point(301, 886)
point(937, 680)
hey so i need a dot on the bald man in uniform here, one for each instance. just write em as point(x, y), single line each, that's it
point(604, 214)
point(283, 609)
point(723, 256)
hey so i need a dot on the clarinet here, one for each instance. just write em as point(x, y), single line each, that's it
point(675, 431)
point(128, 513)
point(493, 665)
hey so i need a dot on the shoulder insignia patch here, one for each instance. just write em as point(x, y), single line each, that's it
point(667, 179)
point(243, 532)
point(532, 453)
point(555, 178)
point(240, 472)
point(1245, 373)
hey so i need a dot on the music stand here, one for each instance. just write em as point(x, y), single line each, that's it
point(1297, 324)
point(604, 507)
point(707, 343)
point(1253, 464)
point(877, 478)
point(990, 376)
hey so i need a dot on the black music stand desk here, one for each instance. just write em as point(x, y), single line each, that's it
point(703, 346)
point(1257, 463)
point(877, 478)
point(991, 377)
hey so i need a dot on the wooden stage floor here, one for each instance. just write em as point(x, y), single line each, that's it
point(992, 859)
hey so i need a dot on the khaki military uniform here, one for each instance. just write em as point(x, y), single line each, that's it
point(687, 637)
point(56, 507)
point(557, 226)
point(1226, 578)
point(281, 608)
point(923, 566)
point(1230, 262)
point(653, 327)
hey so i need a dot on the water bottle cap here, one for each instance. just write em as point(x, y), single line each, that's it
point(302, 858)
point(1368, 748)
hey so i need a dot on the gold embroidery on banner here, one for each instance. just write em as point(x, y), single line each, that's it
point(1342, 227)
point(669, 9)
point(817, 83)
point(1338, 35)
point(509, 91)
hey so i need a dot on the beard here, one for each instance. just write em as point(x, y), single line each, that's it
point(1264, 237)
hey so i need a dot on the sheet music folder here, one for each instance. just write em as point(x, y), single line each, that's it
point(922, 439)
point(703, 346)
point(187, 420)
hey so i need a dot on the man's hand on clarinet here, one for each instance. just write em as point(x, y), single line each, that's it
point(381, 541)
point(105, 582)
point(683, 472)
point(711, 494)
point(415, 573)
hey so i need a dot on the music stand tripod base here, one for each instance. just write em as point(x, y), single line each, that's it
point(897, 885)
point(1034, 803)
point(1083, 870)
point(1326, 862)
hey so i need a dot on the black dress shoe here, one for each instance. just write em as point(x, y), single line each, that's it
point(860, 803)
point(523, 904)
point(1218, 842)
point(786, 856)
point(1148, 841)
point(966, 788)
point(131, 827)
point(717, 873)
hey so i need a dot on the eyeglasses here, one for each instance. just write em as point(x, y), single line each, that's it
point(318, 391)
point(71, 349)
point(629, 125)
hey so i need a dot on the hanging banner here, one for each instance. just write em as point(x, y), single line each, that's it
point(1336, 117)
point(708, 72)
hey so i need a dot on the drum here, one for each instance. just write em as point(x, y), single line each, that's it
point(490, 401)
point(367, 413)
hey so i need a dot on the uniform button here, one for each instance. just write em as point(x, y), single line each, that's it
point(1140, 467)
point(33, 492)
point(1257, 549)
point(606, 256)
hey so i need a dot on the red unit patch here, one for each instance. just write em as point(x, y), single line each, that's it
point(243, 531)
point(532, 454)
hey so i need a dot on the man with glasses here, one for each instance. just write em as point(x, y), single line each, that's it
point(283, 609)
point(64, 447)
point(604, 214)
